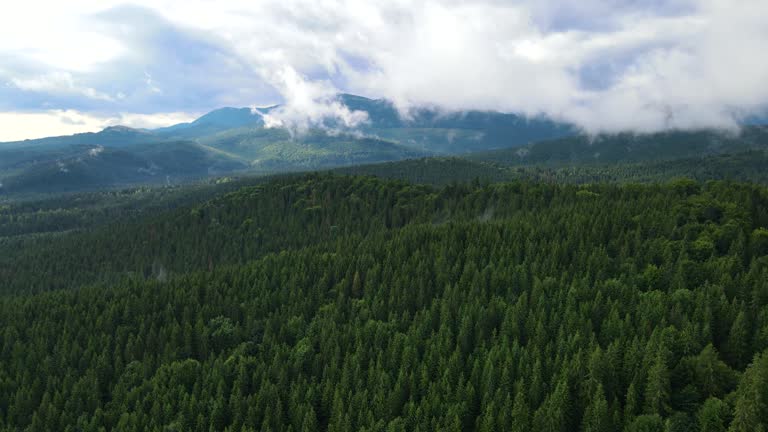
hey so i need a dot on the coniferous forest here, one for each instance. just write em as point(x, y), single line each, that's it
point(326, 302)
point(384, 216)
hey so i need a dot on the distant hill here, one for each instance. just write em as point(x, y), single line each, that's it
point(432, 130)
point(621, 158)
point(88, 168)
point(112, 136)
point(92, 161)
point(749, 166)
point(276, 149)
point(628, 147)
point(81, 167)
point(215, 121)
point(426, 130)
point(235, 140)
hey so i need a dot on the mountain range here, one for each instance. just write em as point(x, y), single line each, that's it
point(236, 140)
point(230, 140)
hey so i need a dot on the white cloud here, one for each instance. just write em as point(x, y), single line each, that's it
point(53, 33)
point(56, 83)
point(680, 71)
point(307, 103)
point(16, 126)
point(604, 64)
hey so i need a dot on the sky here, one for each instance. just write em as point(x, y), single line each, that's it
point(604, 65)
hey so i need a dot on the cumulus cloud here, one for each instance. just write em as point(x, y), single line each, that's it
point(689, 67)
point(607, 65)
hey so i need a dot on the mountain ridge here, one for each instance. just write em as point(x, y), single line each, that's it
point(231, 139)
point(236, 140)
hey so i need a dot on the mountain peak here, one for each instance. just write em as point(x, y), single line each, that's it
point(228, 116)
point(344, 97)
point(124, 130)
point(213, 122)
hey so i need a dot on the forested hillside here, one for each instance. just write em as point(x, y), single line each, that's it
point(746, 166)
point(233, 141)
point(42, 214)
point(631, 147)
point(336, 303)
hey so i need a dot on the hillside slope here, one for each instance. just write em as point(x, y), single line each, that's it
point(627, 147)
point(346, 303)
point(86, 168)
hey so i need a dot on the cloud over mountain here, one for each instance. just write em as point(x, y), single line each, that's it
point(606, 65)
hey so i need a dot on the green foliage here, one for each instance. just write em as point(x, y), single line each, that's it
point(750, 412)
point(646, 423)
point(335, 303)
point(630, 147)
point(274, 150)
point(759, 241)
point(713, 416)
point(79, 167)
point(596, 416)
point(688, 172)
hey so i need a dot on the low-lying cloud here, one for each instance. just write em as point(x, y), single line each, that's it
point(308, 104)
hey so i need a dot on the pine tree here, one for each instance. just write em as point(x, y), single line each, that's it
point(596, 417)
point(737, 347)
point(751, 408)
point(520, 418)
point(646, 423)
point(552, 415)
point(713, 415)
point(309, 424)
point(657, 390)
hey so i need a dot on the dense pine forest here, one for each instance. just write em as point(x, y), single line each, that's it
point(329, 302)
point(384, 216)
point(743, 166)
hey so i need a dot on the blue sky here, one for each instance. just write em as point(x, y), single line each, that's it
point(607, 65)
